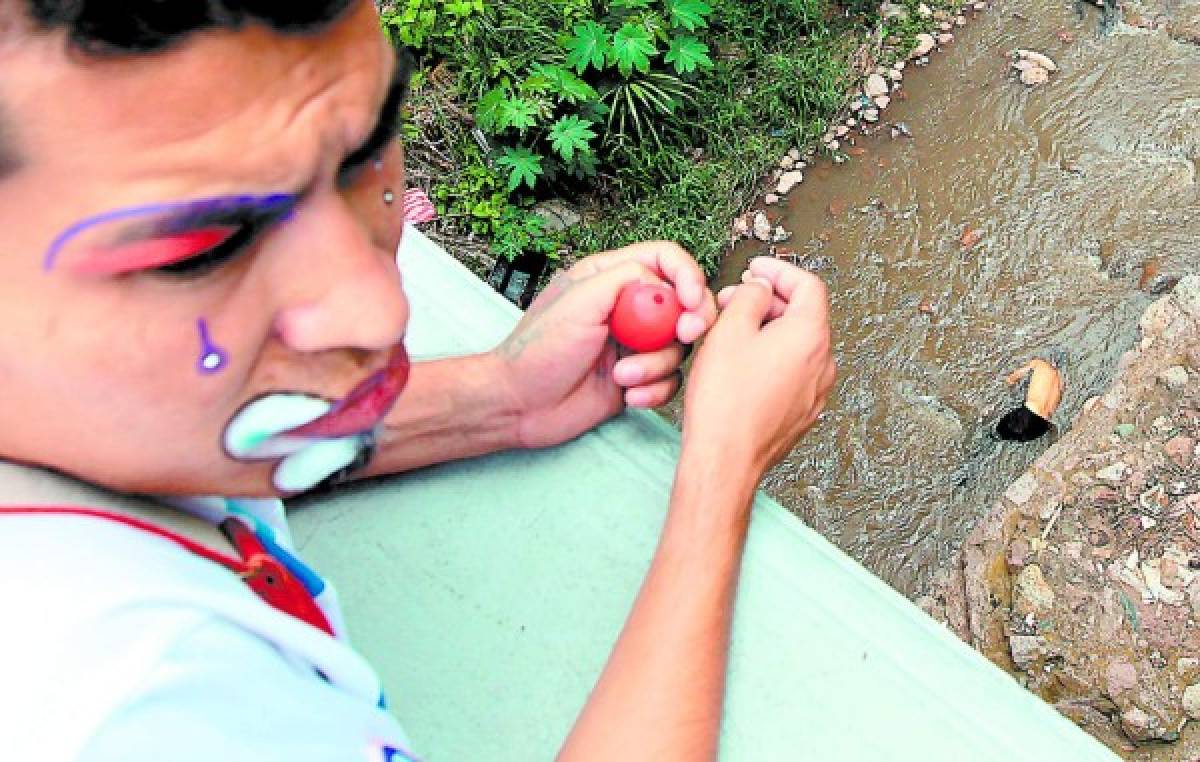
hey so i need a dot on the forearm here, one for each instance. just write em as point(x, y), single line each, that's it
point(660, 694)
point(450, 409)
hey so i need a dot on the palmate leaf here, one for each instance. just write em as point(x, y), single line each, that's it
point(570, 135)
point(687, 54)
point(589, 47)
point(518, 113)
point(487, 112)
point(631, 49)
point(563, 83)
point(524, 166)
point(689, 14)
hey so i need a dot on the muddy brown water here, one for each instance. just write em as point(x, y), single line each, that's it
point(1081, 190)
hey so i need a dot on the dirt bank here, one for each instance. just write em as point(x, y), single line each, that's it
point(1084, 579)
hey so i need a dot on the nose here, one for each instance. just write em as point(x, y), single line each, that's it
point(342, 288)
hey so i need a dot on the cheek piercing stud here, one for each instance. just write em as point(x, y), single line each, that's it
point(388, 196)
point(212, 358)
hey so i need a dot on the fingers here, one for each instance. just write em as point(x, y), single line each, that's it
point(798, 287)
point(593, 302)
point(653, 395)
point(749, 305)
point(692, 325)
point(726, 295)
point(649, 367)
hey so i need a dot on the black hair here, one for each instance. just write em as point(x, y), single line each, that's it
point(142, 26)
point(1021, 425)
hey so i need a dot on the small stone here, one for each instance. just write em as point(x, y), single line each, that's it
point(851, 122)
point(1186, 664)
point(1180, 449)
point(945, 38)
point(875, 85)
point(1034, 76)
point(794, 154)
point(856, 105)
point(895, 75)
point(924, 11)
point(1120, 677)
point(1022, 489)
point(741, 227)
point(1032, 594)
point(925, 43)
point(899, 65)
point(842, 131)
point(789, 180)
point(960, 21)
point(1040, 59)
point(1018, 554)
point(1116, 473)
point(980, 6)
point(762, 227)
point(771, 198)
point(1191, 700)
point(1174, 377)
point(787, 162)
point(893, 11)
point(1138, 725)
point(1027, 649)
point(833, 145)
point(882, 101)
point(779, 235)
point(871, 115)
point(945, 26)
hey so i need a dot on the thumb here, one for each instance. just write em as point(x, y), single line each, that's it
point(597, 294)
point(750, 304)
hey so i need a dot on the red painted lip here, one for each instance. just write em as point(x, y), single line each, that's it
point(365, 406)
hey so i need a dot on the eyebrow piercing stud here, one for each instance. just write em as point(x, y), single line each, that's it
point(212, 358)
point(388, 196)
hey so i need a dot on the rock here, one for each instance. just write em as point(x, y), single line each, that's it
point(771, 198)
point(945, 38)
point(779, 235)
point(893, 11)
point(1191, 700)
point(980, 6)
point(882, 101)
point(1034, 76)
point(842, 131)
point(895, 75)
point(871, 115)
point(945, 26)
point(1186, 296)
point(794, 154)
point(1022, 489)
point(851, 122)
point(1116, 473)
point(833, 145)
point(875, 86)
point(762, 227)
point(1026, 650)
point(1120, 676)
point(924, 11)
point(925, 43)
point(960, 21)
point(1018, 554)
point(1031, 594)
point(1138, 725)
point(788, 181)
point(856, 104)
point(899, 65)
point(1180, 449)
point(741, 227)
point(1175, 377)
point(1040, 59)
point(558, 215)
point(787, 162)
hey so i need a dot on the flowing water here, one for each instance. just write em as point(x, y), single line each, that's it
point(1086, 196)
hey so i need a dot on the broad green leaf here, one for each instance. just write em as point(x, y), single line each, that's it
point(687, 54)
point(589, 47)
point(571, 134)
point(523, 166)
point(487, 112)
point(516, 112)
point(689, 14)
point(631, 49)
point(565, 84)
point(630, 5)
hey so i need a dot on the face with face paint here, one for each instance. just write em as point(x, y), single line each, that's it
point(197, 285)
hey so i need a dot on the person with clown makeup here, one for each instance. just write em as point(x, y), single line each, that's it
point(201, 304)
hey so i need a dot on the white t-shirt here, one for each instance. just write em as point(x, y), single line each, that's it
point(121, 645)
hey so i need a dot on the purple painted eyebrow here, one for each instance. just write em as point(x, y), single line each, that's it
point(180, 215)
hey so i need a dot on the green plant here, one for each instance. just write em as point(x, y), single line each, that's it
point(518, 231)
point(428, 25)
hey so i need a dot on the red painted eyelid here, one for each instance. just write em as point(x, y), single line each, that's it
point(149, 253)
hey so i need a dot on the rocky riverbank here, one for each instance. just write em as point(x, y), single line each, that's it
point(1084, 580)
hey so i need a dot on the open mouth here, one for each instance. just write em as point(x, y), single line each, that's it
point(365, 406)
point(314, 438)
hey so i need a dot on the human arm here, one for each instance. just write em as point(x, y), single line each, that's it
point(660, 694)
point(556, 376)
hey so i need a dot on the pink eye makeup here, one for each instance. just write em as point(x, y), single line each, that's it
point(181, 239)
